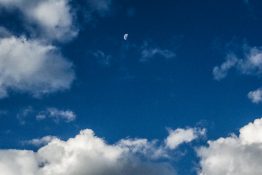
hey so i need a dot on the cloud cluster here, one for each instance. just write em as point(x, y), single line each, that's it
point(87, 154)
point(33, 65)
point(234, 155)
point(250, 64)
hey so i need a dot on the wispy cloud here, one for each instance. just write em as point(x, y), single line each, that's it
point(249, 64)
point(149, 52)
point(57, 115)
point(54, 114)
point(102, 58)
point(220, 72)
point(23, 115)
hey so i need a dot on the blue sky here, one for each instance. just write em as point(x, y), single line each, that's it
point(186, 66)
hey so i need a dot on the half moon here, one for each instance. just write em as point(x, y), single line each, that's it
point(125, 36)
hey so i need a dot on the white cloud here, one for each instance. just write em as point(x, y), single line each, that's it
point(234, 155)
point(149, 51)
point(221, 72)
point(32, 67)
point(54, 114)
point(180, 136)
point(54, 18)
point(13, 162)
point(57, 115)
point(149, 148)
point(250, 64)
point(85, 154)
point(255, 96)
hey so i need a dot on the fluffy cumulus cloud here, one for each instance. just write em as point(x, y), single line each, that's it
point(180, 136)
point(33, 67)
point(54, 18)
point(57, 115)
point(234, 155)
point(88, 154)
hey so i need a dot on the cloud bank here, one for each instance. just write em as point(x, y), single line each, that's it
point(87, 154)
point(234, 155)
